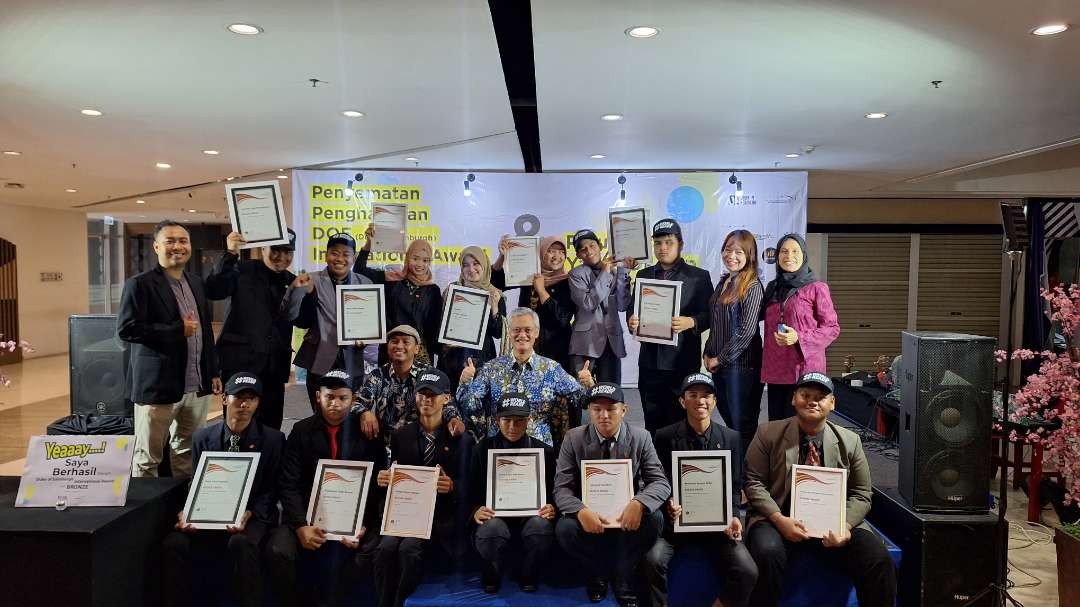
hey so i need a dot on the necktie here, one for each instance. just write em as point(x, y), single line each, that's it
point(331, 432)
point(608, 443)
point(702, 443)
point(234, 443)
point(429, 449)
point(812, 456)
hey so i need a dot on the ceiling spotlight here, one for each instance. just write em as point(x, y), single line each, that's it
point(611, 117)
point(876, 115)
point(597, 156)
point(469, 179)
point(282, 176)
point(163, 165)
point(1050, 29)
point(229, 178)
point(90, 112)
point(621, 200)
point(412, 159)
point(211, 152)
point(792, 155)
point(642, 31)
point(245, 29)
point(140, 202)
point(352, 114)
point(733, 179)
point(12, 153)
point(192, 211)
point(71, 190)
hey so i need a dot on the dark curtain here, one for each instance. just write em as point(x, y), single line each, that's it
point(1036, 324)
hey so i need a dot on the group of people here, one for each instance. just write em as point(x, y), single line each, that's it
point(414, 401)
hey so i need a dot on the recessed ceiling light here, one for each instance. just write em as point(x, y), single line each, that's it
point(876, 115)
point(12, 153)
point(352, 114)
point(163, 165)
point(597, 156)
point(412, 159)
point(792, 155)
point(611, 117)
point(211, 152)
point(192, 211)
point(142, 216)
point(90, 112)
point(245, 29)
point(282, 176)
point(71, 190)
point(1050, 29)
point(229, 178)
point(140, 202)
point(642, 31)
point(187, 221)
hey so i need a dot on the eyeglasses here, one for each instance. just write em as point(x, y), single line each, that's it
point(522, 330)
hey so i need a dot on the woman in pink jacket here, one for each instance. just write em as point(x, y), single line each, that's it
point(800, 322)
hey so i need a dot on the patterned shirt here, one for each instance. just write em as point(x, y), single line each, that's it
point(393, 399)
point(550, 389)
point(189, 308)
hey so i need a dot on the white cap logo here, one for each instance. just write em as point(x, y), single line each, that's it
point(700, 377)
point(663, 225)
point(514, 402)
point(245, 380)
point(603, 390)
point(429, 377)
point(337, 374)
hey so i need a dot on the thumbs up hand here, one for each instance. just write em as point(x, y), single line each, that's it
point(585, 376)
point(469, 372)
point(191, 326)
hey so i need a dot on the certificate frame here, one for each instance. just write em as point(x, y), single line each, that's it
point(238, 192)
point(499, 457)
point(688, 463)
point(801, 479)
point(410, 474)
point(674, 290)
point(532, 242)
point(212, 458)
point(462, 295)
point(646, 238)
point(382, 241)
point(341, 295)
point(323, 471)
point(621, 466)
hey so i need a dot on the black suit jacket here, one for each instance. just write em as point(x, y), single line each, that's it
point(478, 467)
point(150, 321)
point(308, 443)
point(696, 288)
point(681, 437)
point(257, 335)
point(257, 438)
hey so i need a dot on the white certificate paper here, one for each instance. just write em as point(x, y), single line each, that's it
point(361, 314)
point(410, 501)
point(390, 220)
point(819, 498)
point(256, 211)
point(629, 230)
point(338, 497)
point(74, 470)
point(515, 481)
point(220, 488)
point(465, 317)
point(701, 484)
point(607, 486)
point(522, 260)
point(656, 302)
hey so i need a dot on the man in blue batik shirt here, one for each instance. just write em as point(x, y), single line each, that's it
point(550, 389)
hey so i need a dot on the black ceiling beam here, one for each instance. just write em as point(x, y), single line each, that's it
point(512, 21)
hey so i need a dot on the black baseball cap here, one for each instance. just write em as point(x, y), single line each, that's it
point(290, 246)
point(513, 404)
point(342, 238)
point(606, 390)
point(433, 380)
point(243, 381)
point(666, 226)
point(585, 234)
point(697, 379)
point(334, 379)
point(815, 378)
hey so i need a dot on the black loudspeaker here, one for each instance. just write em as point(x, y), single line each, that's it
point(945, 419)
point(99, 363)
point(948, 558)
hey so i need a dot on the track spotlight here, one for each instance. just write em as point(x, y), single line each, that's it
point(621, 200)
point(468, 180)
point(733, 179)
point(738, 189)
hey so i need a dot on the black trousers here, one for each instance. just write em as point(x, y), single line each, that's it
point(239, 552)
point(780, 401)
point(730, 560)
point(400, 562)
point(607, 367)
point(660, 396)
point(864, 559)
point(535, 534)
point(738, 398)
point(316, 577)
point(595, 552)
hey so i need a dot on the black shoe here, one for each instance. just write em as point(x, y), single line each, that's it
point(627, 601)
point(528, 586)
point(491, 579)
point(597, 590)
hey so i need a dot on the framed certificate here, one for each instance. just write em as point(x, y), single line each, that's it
point(361, 314)
point(515, 481)
point(629, 233)
point(389, 219)
point(819, 498)
point(410, 501)
point(256, 212)
point(522, 260)
point(465, 317)
point(607, 486)
point(219, 491)
point(701, 484)
point(338, 497)
point(656, 302)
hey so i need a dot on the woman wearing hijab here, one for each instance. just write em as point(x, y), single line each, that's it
point(549, 296)
point(733, 351)
point(476, 274)
point(412, 297)
point(800, 322)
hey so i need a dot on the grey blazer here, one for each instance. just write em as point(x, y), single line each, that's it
point(651, 486)
point(317, 312)
point(593, 293)
point(775, 449)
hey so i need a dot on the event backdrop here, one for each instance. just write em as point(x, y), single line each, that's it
point(704, 203)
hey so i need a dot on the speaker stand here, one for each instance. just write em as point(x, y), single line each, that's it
point(999, 590)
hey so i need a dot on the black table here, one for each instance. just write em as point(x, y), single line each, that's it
point(867, 404)
point(85, 556)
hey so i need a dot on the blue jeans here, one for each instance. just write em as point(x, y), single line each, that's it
point(738, 398)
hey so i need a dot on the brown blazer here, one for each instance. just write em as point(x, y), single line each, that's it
point(775, 449)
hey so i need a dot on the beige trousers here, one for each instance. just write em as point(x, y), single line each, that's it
point(178, 422)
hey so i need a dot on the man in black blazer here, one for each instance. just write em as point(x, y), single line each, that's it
point(166, 319)
point(730, 558)
point(239, 432)
point(257, 334)
point(299, 549)
point(662, 367)
point(401, 561)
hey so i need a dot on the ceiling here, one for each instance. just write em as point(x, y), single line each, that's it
point(725, 85)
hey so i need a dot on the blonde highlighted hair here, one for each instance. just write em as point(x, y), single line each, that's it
point(749, 274)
